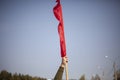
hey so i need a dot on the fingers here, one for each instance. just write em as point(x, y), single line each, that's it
point(66, 59)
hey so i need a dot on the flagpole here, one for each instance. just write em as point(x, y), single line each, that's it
point(58, 14)
point(66, 71)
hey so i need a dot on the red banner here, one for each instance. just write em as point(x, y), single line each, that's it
point(58, 14)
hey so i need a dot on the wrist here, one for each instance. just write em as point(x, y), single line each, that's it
point(62, 65)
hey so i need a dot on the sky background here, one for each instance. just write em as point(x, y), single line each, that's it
point(29, 41)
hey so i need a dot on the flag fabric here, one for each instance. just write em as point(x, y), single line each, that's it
point(57, 10)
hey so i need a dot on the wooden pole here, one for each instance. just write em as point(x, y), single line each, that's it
point(115, 72)
point(66, 71)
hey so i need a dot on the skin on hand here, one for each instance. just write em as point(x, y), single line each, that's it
point(64, 61)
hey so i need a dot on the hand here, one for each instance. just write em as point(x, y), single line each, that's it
point(64, 61)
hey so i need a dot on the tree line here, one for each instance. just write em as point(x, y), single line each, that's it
point(4, 75)
point(97, 77)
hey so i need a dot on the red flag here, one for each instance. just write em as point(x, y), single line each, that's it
point(58, 14)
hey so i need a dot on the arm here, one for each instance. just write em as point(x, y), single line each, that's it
point(59, 74)
point(60, 71)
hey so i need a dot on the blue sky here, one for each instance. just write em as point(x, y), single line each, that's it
point(29, 41)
